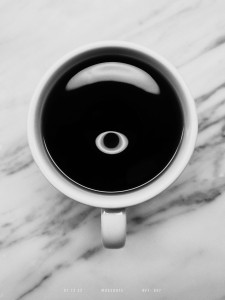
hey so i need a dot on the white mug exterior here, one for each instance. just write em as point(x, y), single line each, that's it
point(128, 198)
point(113, 227)
point(121, 199)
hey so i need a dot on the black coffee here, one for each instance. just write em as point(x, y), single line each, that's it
point(111, 140)
point(73, 119)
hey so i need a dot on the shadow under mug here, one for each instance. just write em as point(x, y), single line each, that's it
point(113, 206)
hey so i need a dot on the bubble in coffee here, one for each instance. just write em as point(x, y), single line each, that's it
point(112, 124)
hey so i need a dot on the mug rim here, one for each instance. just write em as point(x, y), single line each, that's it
point(134, 196)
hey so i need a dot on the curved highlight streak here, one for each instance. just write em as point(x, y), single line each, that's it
point(114, 71)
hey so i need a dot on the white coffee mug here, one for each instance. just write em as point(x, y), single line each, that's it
point(113, 206)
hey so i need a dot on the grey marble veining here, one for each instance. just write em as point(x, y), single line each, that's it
point(50, 246)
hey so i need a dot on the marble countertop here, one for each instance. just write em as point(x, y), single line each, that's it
point(50, 246)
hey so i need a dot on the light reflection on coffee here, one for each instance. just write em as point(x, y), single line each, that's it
point(114, 71)
point(111, 142)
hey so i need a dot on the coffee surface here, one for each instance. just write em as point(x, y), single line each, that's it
point(73, 117)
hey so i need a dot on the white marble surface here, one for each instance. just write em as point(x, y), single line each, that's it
point(50, 246)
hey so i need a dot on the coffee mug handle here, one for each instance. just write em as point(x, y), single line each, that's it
point(113, 225)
